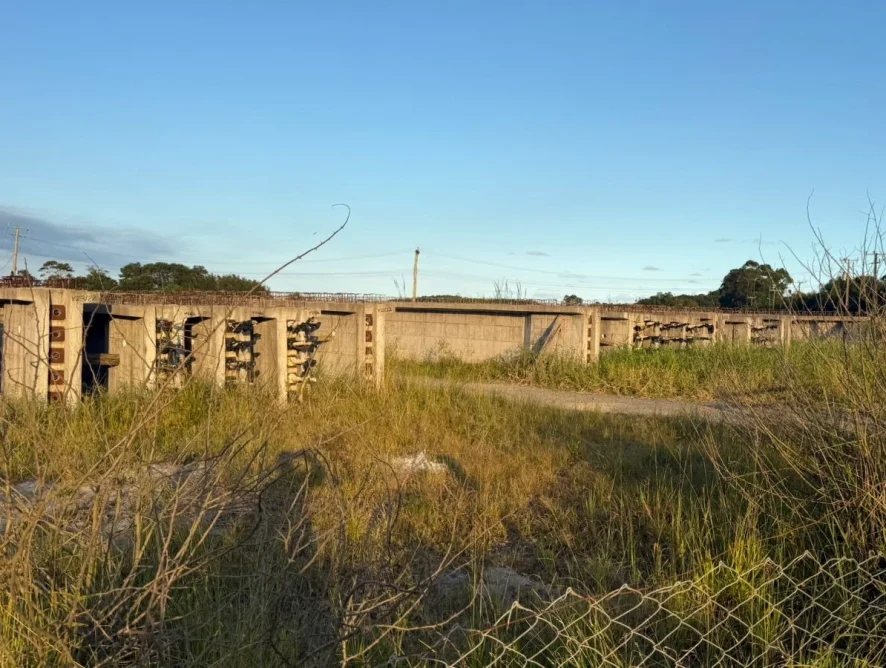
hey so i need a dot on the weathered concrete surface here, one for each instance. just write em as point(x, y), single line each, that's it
point(57, 343)
point(477, 332)
point(615, 330)
point(26, 346)
point(133, 337)
point(49, 335)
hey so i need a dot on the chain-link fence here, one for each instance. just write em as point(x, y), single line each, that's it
point(810, 613)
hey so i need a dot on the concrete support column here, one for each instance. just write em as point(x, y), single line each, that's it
point(715, 324)
point(207, 336)
point(26, 347)
point(272, 347)
point(364, 341)
point(591, 335)
point(370, 343)
point(149, 341)
point(785, 327)
point(378, 353)
point(133, 334)
point(65, 349)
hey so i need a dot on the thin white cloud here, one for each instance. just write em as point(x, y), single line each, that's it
point(106, 246)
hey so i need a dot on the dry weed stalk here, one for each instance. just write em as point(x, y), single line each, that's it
point(821, 454)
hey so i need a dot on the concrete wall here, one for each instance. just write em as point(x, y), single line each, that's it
point(132, 336)
point(26, 341)
point(566, 332)
point(48, 334)
point(423, 335)
point(616, 330)
point(25, 350)
point(477, 332)
point(343, 330)
point(270, 351)
point(816, 328)
point(474, 333)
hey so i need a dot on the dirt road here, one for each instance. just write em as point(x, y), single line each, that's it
point(603, 403)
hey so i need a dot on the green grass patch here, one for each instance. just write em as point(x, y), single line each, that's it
point(337, 561)
point(705, 373)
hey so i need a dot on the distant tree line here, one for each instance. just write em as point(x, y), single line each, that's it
point(138, 277)
point(752, 285)
point(760, 286)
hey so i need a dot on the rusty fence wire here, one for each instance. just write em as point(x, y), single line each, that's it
point(806, 612)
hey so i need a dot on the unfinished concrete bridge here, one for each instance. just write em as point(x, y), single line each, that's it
point(60, 344)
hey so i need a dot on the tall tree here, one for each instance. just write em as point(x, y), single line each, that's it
point(99, 280)
point(754, 285)
point(703, 300)
point(235, 283)
point(174, 277)
point(54, 270)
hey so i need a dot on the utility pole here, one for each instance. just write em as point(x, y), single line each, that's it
point(18, 231)
point(415, 276)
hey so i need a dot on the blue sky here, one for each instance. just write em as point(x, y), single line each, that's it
point(606, 149)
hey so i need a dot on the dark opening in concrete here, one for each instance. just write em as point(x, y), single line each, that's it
point(96, 344)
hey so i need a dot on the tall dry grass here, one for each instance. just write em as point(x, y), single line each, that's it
point(823, 457)
point(705, 373)
point(288, 536)
point(218, 527)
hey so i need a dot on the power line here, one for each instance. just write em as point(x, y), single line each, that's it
point(646, 279)
point(600, 281)
point(462, 276)
point(321, 261)
point(321, 274)
point(580, 286)
point(547, 271)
